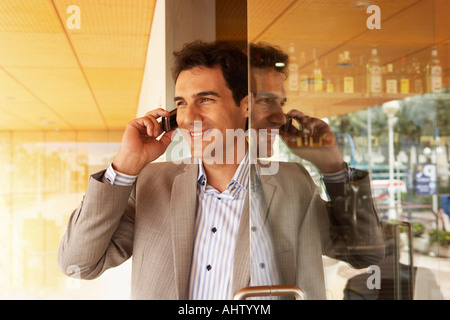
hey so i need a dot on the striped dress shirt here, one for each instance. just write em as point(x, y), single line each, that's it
point(263, 266)
point(217, 225)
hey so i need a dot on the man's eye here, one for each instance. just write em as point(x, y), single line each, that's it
point(264, 100)
point(205, 99)
point(180, 103)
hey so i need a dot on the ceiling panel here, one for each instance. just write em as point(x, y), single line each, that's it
point(263, 14)
point(21, 16)
point(24, 109)
point(110, 51)
point(72, 79)
point(115, 92)
point(35, 49)
point(61, 90)
point(231, 21)
point(442, 22)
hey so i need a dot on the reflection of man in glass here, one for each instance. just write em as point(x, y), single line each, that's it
point(302, 225)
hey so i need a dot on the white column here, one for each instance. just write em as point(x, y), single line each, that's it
point(390, 108)
point(175, 23)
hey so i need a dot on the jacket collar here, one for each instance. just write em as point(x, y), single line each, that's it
point(183, 208)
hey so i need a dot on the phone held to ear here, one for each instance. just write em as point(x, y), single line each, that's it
point(287, 125)
point(302, 139)
point(170, 123)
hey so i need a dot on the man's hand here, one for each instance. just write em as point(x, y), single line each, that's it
point(314, 141)
point(139, 144)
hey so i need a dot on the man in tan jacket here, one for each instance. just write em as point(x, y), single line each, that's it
point(187, 225)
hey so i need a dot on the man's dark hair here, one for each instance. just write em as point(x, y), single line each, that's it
point(266, 56)
point(232, 61)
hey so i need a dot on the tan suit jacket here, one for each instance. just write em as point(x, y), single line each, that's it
point(154, 222)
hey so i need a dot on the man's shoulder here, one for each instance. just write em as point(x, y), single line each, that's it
point(167, 168)
point(291, 171)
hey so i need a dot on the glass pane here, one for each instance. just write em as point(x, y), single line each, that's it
point(366, 85)
point(45, 178)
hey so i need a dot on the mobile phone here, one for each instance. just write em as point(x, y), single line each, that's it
point(170, 123)
point(285, 127)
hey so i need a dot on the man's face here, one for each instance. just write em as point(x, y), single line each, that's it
point(267, 109)
point(201, 95)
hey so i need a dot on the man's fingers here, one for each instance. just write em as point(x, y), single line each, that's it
point(309, 128)
point(309, 125)
point(148, 125)
point(167, 137)
point(295, 114)
point(156, 113)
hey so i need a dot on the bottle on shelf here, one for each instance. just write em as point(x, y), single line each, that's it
point(433, 72)
point(329, 81)
point(360, 76)
point(293, 84)
point(391, 82)
point(348, 78)
point(339, 81)
point(304, 81)
point(317, 75)
point(416, 76)
point(373, 74)
point(405, 76)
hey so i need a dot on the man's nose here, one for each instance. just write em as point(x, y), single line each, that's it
point(192, 114)
point(277, 117)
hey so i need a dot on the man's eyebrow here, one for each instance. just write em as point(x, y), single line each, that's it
point(206, 93)
point(199, 94)
point(270, 95)
point(266, 94)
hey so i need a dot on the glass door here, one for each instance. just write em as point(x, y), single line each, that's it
point(350, 151)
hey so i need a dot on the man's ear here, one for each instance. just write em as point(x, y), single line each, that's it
point(245, 106)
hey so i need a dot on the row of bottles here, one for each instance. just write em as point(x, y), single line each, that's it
point(371, 78)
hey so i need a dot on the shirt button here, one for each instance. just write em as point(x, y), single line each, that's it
point(208, 267)
point(214, 230)
point(253, 229)
point(262, 265)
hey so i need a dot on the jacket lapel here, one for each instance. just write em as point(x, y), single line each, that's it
point(183, 208)
point(241, 263)
point(269, 185)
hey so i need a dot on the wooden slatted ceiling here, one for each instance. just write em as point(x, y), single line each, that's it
point(53, 77)
point(263, 14)
point(231, 21)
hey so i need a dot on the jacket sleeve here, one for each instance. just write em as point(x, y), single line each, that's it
point(100, 231)
point(355, 228)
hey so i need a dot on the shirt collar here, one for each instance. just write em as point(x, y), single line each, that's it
point(239, 179)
